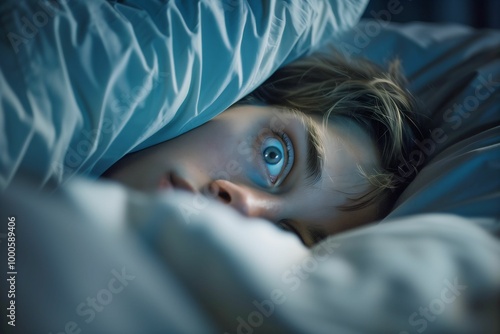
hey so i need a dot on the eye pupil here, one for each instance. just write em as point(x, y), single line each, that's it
point(272, 155)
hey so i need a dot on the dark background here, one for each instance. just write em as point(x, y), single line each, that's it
point(475, 13)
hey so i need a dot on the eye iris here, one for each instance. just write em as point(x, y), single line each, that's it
point(272, 155)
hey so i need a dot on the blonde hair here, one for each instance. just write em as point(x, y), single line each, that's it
point(331, 86)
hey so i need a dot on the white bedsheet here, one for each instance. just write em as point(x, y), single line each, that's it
point(214, 271)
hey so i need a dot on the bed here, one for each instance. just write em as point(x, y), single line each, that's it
point(84, 83)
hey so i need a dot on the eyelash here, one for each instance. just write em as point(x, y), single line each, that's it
point(290, 156)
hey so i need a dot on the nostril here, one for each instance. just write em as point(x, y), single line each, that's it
point(224, 196)
point(219, 193)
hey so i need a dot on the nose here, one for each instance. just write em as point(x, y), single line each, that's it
point(247, 201)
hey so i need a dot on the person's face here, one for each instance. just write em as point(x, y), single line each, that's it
point(260, 160)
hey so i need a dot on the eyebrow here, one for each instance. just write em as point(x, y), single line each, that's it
point(315, 150)
point(314, 146)
point(314, 166)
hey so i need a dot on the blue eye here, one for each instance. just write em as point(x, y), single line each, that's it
point(273, 154)
point(278, 157)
